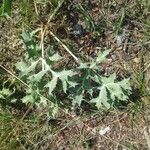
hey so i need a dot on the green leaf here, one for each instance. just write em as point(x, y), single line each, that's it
point(43, 101)
point(115, 89)
point(21, 66)
point(101, 99)
point(5, 91)
point(55, 57)
point(6, 7)
point(52, 84)
point(37, 77)
point(31, 46)
point(24, 68)
point(86, 81)
point(72, 84)
point(102, 56)
point(110, 79)
point(26, 37)
point(1, 96)
point(63, 76)
point(83, 66)
point(77, 100)
point(27, 99)
point(125, 84)
point(13, 100)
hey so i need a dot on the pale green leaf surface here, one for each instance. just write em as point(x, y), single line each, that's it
point(101, 99)
point(83, 65)
point(55, 57)
point(77, 100)
point(63, 76)
point(43, 101)
point(114, 88)
point(24, 68)
point(125, 84)
point(27, 99)
point(26, 36)
point(1, 96)
point(21, 66)
point(37, 77)
point(72, 84)
point(102, 56)
point(110, 79)
point(5, 92)
point(52, 84)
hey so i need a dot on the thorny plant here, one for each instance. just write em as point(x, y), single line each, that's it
point(82, 83)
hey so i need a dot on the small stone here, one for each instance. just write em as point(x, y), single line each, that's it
point(104, 130)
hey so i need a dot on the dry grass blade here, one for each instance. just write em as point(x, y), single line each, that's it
point(147, 137)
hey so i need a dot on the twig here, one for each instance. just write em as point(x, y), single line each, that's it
point(65, 47)
point(42, 44)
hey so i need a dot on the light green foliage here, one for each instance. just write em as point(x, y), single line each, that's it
point(4, 93)
point(63, 76)
point(82, 83)
point(55, 57)
point(31, 46)
point(6, 96)
point(115, 89)
point(77, 100)
point(109, 88)
point(24, 68)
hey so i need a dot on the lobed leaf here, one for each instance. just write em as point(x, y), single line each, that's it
point(26, 69)
point(55, 57)
point(110, 90)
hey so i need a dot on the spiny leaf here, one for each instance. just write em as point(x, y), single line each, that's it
point(43, 101)
point(28, 98)
point(101, 99)
point(26, 37)
point(63, 76)
point(24, 68)
point(5, 93)
point(31, 46)
point(102, 56)
point(21, 66)
point(55, 57)
point(116, 91)
point(52, 84)
point(72, 84)
point(114, 88)
point(110, 79)
point(125, 84)
point(77, 100)
point(83, 65)
point(37, 77)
